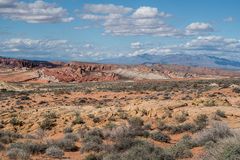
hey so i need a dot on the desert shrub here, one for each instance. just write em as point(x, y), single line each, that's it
point(117, 133)
point(7, 137)
point(66, 144)
point(181, 149)
point(30, 147)
point(92, 157)
point(91, 146)
point(167, 113)
point(18, 154)
point(110, 125)
point(140, 151)
point(93, 133)
point(16, 122)
point(201, 122)
point(68, 130)
point(158, 136)
point(24, 98)
point(221, 113)
point(123, 115)
point(135, 122)
point(161, 125)
point(71, 136)
point(147, 126)
point(124, 143)
point(78, 119)
point(96, 119)
point(92, 141)
point(1, 125)
point(182, 117)
point(54, 152)
point(182, 128)
point(215, 133)
point(210, 103)
point(50, 115)
point(145, 134)
point(47, 124)
point(225, 149)
point(2, 147)
point(236, 90)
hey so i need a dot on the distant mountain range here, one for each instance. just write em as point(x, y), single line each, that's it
point(179, 59)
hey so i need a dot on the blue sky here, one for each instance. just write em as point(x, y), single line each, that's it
point(91, 30)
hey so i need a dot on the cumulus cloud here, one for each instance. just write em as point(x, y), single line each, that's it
point(208, 45)
point(198, 27)
point(36, 12)
point(51, 49)
point(30, 45)
point(7, 3)
point(106, 9)
point(148, 12)
point(119, 20)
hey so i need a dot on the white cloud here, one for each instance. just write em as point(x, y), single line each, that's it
point(88, 46)
point(30, 45)
point(148, 12)
point(214, 44)
point(36, 12)
point(145, 12)
point(143, 21)
point(107, 9)
point(7, 3)
point(51, 49)
point(81, 27)
point(136, 45)
point(198, 28)
point(208, 45)
point(229, 19)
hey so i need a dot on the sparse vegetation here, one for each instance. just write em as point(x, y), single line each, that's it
point(121, 120)
point(54, 152)
point(221, 113)
point(158, 136)
point(78, 119)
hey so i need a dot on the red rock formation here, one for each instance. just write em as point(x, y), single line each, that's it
point(20, 63)
point(82, 73)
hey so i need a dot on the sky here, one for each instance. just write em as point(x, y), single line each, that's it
point(90, 30)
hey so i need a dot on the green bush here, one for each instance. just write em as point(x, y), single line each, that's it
point(67, 144)
point(92, 157)
point(18, 154)
point(182, 117)
point(214, 134)
point(54, 152)
point(78, 119)
point(135, 122)
point(30, 147)
point(2, 147)
point(71, 136)
point(158, 136)
point(47, 124)
point(68, 130)
point(221, 113)
point(181, 149)
point(16, 122)
point(92, 140)
point(140, 151)
point(91, 146)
